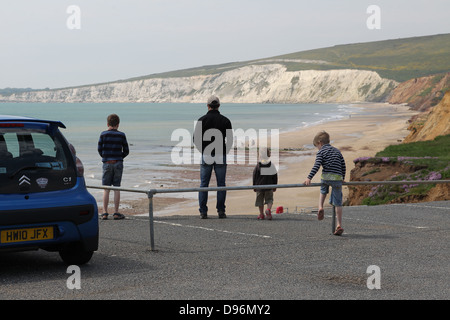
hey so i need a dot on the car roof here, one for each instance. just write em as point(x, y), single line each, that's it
point(8, 118)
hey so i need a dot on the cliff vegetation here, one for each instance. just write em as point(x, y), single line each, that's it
point(424, 155)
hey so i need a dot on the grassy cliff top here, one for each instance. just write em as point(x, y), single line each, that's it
point(398, 59)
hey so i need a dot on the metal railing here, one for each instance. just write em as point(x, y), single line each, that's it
point(151, 192)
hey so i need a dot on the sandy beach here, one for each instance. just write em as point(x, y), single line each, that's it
point(361, 134)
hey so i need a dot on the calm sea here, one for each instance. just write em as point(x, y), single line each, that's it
point(149, 129)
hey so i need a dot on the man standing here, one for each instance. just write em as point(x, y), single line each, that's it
point(213, 137)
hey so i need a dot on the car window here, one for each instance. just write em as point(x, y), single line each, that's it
point(37, 149)
point(43, 158)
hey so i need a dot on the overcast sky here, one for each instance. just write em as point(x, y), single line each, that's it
point(46, 43)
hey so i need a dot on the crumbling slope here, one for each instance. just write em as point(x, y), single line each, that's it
point(421, 93)
point(433, 124)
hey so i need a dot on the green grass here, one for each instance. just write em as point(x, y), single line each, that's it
point(432, 160)
point(439, 147)
point(398, 59)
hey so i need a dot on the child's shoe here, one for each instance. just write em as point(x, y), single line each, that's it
point(261, 216)
point(269, 214)
point(339, 231)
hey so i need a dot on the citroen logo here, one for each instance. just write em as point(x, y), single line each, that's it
point(24, 180)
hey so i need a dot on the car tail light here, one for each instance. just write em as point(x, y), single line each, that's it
point(72, 149)
point(79, 164)
point(11, 125)
point(80, 167)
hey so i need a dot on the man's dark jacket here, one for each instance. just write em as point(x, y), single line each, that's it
point(213, 120)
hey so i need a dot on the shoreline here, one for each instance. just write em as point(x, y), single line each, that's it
point(365, 133)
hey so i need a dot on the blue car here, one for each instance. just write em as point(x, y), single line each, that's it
point(44, 203)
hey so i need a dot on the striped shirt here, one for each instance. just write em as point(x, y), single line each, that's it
point(113, 145)
point(332, 162)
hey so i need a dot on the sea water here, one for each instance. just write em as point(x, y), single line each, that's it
point(149, 128)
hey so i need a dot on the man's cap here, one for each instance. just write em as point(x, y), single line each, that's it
point(213, 101)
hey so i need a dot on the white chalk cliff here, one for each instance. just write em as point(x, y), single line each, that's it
point(266, 83)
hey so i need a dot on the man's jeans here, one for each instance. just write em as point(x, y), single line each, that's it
point(205, 176)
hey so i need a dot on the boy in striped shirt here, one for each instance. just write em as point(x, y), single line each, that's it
point(333, 174)
point(113, 148)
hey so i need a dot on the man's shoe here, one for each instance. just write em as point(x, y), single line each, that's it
point(203, 216)
point(222, 215)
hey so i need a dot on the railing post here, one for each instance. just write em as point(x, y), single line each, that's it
point(150, 217)
point(333, 225)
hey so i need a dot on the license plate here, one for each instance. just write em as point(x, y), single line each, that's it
point(28, 234)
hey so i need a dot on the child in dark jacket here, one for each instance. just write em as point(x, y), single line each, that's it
point(264, 173)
